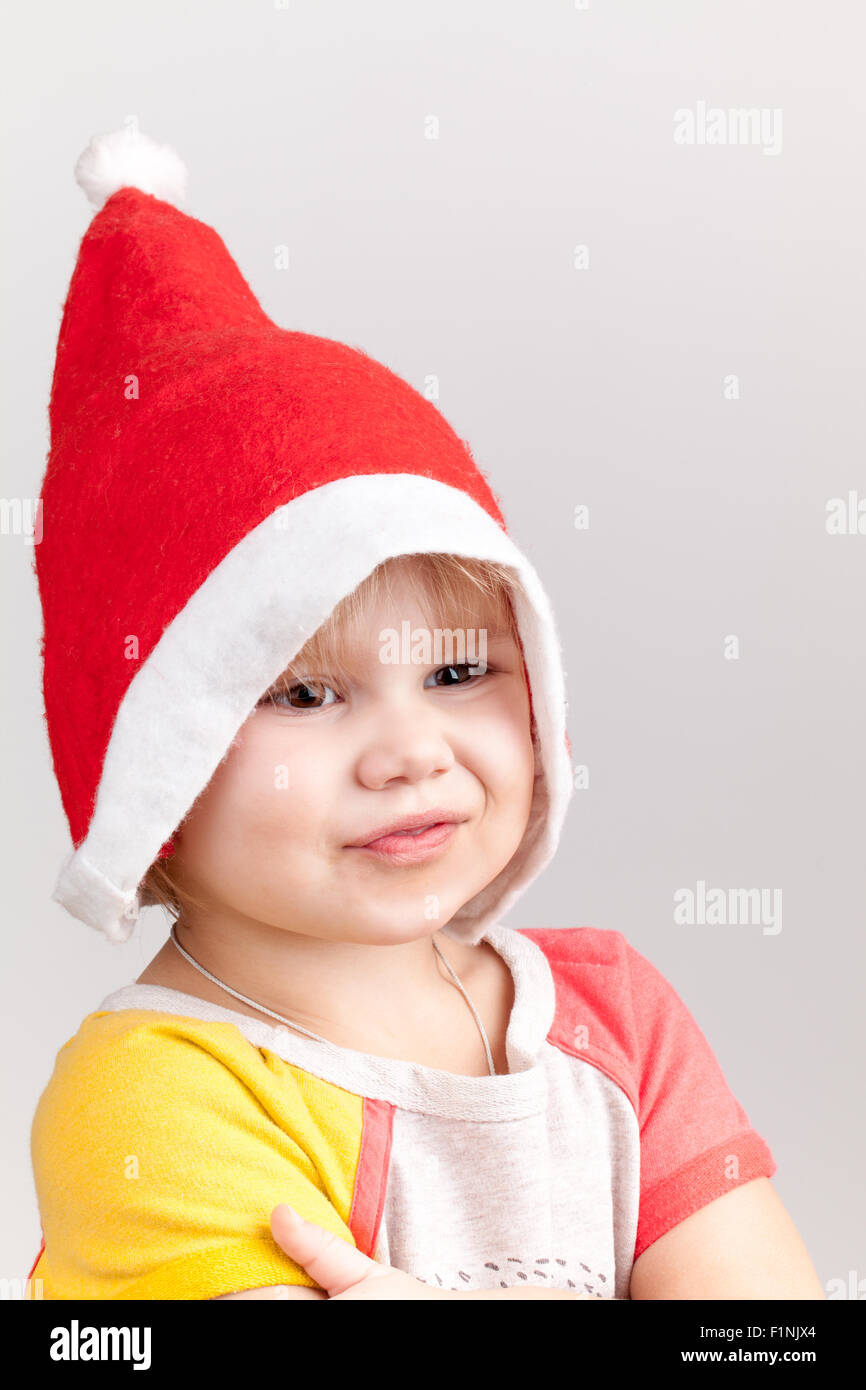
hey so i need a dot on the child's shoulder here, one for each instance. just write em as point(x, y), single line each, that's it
point(615, 1009)
point(126, 1036)
point(124, 1060)
point(158, 1148)
point(599, 945)
point(598, 954)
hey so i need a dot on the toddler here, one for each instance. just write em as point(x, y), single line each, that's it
point(304, 690)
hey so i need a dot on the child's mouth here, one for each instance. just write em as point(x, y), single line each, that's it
point(411, 846)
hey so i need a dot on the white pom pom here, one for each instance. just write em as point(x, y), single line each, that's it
point(128, 159)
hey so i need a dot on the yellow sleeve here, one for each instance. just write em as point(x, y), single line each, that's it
point(161, 1145)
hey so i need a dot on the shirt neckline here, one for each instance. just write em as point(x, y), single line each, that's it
point(408, 1085)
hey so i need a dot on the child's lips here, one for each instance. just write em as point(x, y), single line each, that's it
point(410, 847)
point(405, 825)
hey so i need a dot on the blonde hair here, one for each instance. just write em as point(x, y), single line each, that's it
point(451, 590)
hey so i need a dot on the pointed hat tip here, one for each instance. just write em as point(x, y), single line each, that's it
point(129, 159)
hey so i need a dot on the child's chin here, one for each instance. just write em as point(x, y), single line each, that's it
point(389, 927)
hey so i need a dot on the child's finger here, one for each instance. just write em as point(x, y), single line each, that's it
point(328, 1258)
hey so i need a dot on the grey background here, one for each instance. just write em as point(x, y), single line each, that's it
point(454, 258)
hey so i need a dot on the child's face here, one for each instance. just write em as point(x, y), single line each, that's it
point(270, 837)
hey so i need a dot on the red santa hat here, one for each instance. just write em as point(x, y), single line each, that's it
point(215, 485)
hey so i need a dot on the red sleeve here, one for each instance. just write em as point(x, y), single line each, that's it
point(696, 1141)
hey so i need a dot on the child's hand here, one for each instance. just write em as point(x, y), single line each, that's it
point(344, 1272)
point(340, 1268)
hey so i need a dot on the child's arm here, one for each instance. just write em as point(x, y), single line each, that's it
point(159, 1147)
point(710, 1224)
point(290, 1291)
point(345, 1272)
point(742, 1245)
point(282, 1291)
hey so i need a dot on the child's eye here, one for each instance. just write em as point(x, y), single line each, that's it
point(311, 694)
point(285, 695)
point(477, 668)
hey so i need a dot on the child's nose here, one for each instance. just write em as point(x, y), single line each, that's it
point(405, 747)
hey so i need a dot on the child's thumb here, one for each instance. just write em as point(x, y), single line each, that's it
point(328, 1258)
